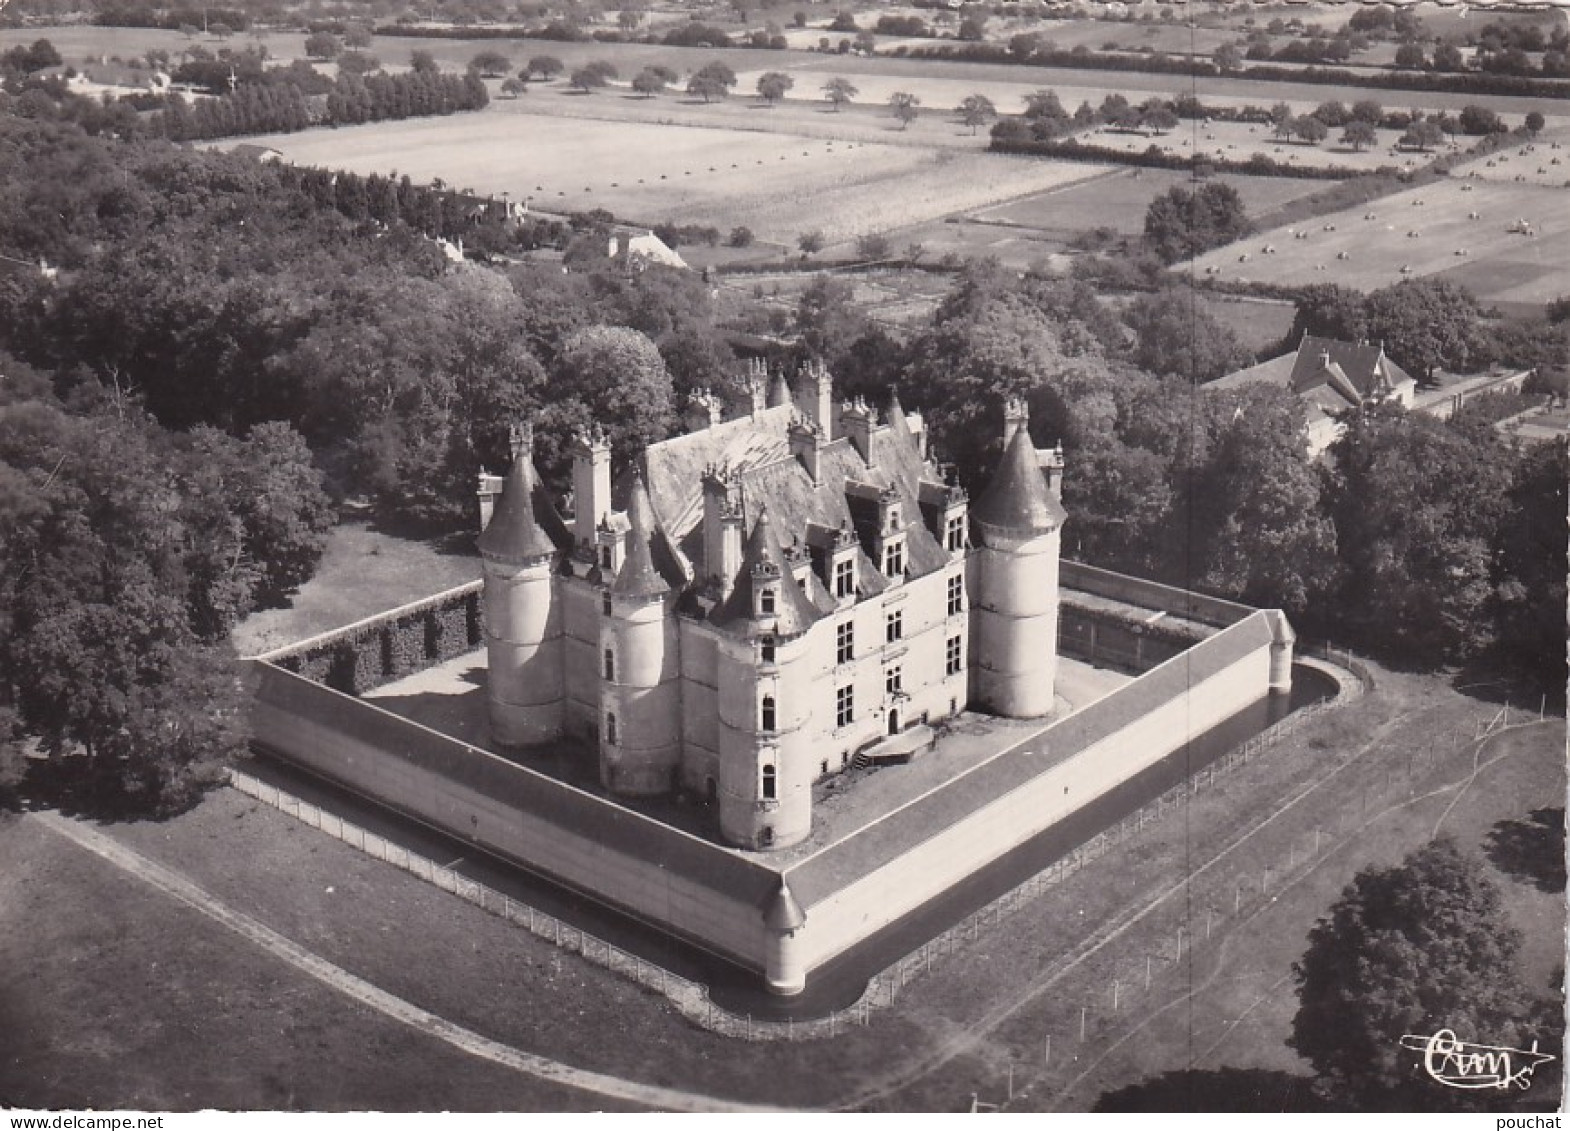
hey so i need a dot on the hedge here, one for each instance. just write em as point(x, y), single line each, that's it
point(398, 644)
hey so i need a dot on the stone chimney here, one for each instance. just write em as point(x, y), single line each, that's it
point(806, 444)
point(721, 528)
point(857, 421)
point(1016, 415)
point(814, 396)
point(703, 411)
point(591, 485)
point(757, 381)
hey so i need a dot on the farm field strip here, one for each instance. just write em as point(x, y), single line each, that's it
point(778, 184)
point(1428, 230)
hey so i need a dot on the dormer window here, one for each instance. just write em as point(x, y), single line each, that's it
point(766, 600)
point(607, 557)
point(954, 538)
point(605, 602)
point(845, 577)
point(894, 559)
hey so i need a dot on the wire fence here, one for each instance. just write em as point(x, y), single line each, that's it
point(883, 990)
point(1120, 986)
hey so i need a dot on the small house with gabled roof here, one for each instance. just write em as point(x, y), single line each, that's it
point(1332, 378)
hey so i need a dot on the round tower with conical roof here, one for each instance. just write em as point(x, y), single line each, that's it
point(640, 686)
point(767, 762)
point(1013, 579)
point(520, 547)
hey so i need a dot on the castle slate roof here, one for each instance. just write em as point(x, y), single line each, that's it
point(524, 524)
point(794, 612)
point(1018, 497)
point(1329, 374)
point(649, 569)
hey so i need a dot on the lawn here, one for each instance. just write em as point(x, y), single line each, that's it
point(363, 572)
point(118, 996)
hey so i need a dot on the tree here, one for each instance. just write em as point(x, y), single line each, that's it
point(1425, 325)
point(1359, 134)
point(1534, 122)
point(588, 79)
point(619, 377)
point(1181, 224)
point(546, 66)
point(740, 236)
point(513, 87)
point(358, 37)
point(1411, 57)
point(713, 81)
point(1176, 336)
point(1158, 119)
point(874, 246)
point(906, 108)
point(1311, 129)
point(1532, 552)
point(1422, 135)
point(1367, 110)
point(1416, 506)
point(1228, 58)
point(322, 45)
point(220, 31)
point(358, 63)
point(1480, 120)
point(1410, 949)
point(650, 81)
point(838, 91)
point(1044, 105)
point(772, 86)
point(424, 63)
point(490, 64)
point(976, 111)
point(811, 242)
point(1448, 57)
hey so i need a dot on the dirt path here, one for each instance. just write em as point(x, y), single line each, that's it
point(177, 886)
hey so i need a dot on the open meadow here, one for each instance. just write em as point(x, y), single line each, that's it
point(778, 184)
point(1467, 231)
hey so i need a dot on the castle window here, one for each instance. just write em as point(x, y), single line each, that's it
point(894, 626)
point(845, 643)
point(894, 559)
point(767, 713)
point(610, 729)
point(845, 577)
point(766, 601)
point(770, 785)
point(610, 664)
point(893, 680)
point(844, 706)
point(956, 594)
point(605, 602)
point(956, 532)
point(954, 658)
point(766, 649)
point(606, 557)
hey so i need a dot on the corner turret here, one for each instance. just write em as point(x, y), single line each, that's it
point(1013, 579)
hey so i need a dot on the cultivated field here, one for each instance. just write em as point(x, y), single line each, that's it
point(778, 184)
point(1426, 231)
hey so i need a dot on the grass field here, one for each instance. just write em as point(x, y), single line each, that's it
point(778, 184)
point(362, 572)
point(1420, 232)
point(1237, 1016)
point(1118, 199)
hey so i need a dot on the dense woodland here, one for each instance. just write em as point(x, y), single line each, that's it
point(226, 347)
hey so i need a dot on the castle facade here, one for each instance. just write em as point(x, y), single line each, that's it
point(751, 605)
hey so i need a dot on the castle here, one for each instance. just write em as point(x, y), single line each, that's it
point(752, 604)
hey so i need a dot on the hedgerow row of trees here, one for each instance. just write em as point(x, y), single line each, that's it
point(284, 107)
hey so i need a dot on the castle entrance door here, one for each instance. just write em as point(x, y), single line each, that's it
point(893, 720)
